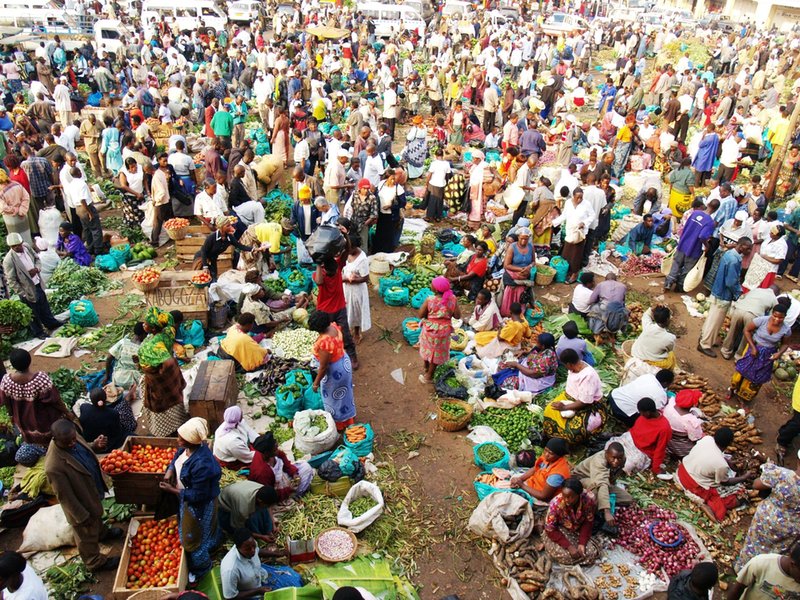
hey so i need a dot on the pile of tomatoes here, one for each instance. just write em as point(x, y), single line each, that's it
point(141, 459)
point(155, 555)
point(146, 275)
point(176, 223)
point(201, 278)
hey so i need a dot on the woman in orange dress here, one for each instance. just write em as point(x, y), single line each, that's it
point(335, 373)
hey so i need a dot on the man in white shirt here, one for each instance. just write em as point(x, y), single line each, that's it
point(206, 207)
point(63, 101)
point(80, 197)
point(301, 151)
point(567, 180)
point(624, 399)
point(372, 165)
point(491, 102)
point(183, 165)
point(729, 157)
point(390, 107)
point(70, 136)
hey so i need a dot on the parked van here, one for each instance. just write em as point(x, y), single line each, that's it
point(190, 14)
point(392, 18)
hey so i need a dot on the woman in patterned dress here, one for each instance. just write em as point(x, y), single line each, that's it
point(31, 399)
point(776, 523)
point(163, 410)
point(436, 313)
point(568, 525)
point(335, 372)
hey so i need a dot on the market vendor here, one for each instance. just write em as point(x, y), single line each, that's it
point(486, 315)
point(216, 243)
point(696, 584)
point(599, 473)
point(705, 470)
point(607, 314)
point(685, 419)
point(646, 442)
point(458, 264)
point(121, 369)
point(568, 525)
point(272, 467)
point(514, 332)
point(578, 412)
point(70, 245)
point(641, 237)
point(271, 309)
point(569, 340)
point(238, 345)
point(474, 272)
point(536, 371)
point(243, 575)
point(247, 504)
point(624, 399)
point(232, 440)
point(769, 576)
point(656, 345)
point(544, 480)
point(334, 379)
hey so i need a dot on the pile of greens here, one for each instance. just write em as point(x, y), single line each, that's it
point(72, 281)
point(69, 581)
point(16, 315)
point(69, 385)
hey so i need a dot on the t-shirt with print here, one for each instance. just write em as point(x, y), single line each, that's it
point(766, 580)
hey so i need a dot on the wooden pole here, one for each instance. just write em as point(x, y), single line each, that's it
point(777, 161)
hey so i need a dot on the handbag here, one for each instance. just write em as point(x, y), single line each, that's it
point(695, 276)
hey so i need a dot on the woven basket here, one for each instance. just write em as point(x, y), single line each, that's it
point(545, 275)
point(178, 234)
point(445, 420)
point(152, 594)
point(328, 559)
point(146, 287)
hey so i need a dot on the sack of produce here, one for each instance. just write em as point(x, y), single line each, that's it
point(458, 340)
point(396, 296)
point(535, 314)
point(447, 386)
point(404, 275)
point(296, 280)
point(491, 455)
point(106, 262)
point(121, 253)
point(82, 312)
point(335, 488)
point(419, 298)
point(411, 330)
point(326, 242)
point(314, 431)
point(502, 516)
point(192, 333)
point(289, 395)
point(47, 530)
point(361, 507)
point(359, 438)
point(346, 459)
point(385, 283)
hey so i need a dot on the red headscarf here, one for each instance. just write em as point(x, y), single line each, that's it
point(688, 398)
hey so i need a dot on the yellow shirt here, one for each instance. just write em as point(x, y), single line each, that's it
point(796, 396)
point(778, 129)
point(243, 348)
point(624, 134)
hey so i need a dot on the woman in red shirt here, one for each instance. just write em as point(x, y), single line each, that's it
point(475, 272)
point(271, 467)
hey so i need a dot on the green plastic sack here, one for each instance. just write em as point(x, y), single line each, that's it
point(554, 324)
point(384, 283)
point(561, 267)
point(121, 253)
point(364, 447)
point(192, 333)
point(346, 458)
point(289, 401)
point(404, 275)
point(296, 280)
point(211, 585)
point(82, 312)
point(312, 400)
point(484, 489)
point(307, 592)
point(419, 298)
point(534, 315)
point(411, 335)
point(106, 262)
point(503, 463)
point(397, 296)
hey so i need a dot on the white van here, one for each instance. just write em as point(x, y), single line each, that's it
point(390, 19)
point(190, 14)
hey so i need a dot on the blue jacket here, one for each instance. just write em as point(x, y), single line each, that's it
point(299, 219)
point(726, 285)
point(200, 476)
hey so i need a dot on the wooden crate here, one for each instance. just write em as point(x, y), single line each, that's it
point(213, 391)
point(186, 248)
point(122, 592)
point(175, 292)
point(140, 488)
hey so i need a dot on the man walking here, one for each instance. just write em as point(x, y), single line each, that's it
point(725, 289)
point(74, 472)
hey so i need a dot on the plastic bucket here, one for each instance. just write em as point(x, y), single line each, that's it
point(377, 269)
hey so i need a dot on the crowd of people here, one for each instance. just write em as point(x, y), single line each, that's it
point(499, 120)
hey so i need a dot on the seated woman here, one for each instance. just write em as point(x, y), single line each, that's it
point(654, 349)
point(70, 245)
point(544, 480)
point(646, 442)
point(515, 330)
point(121, 369)
point(270, 466)
point(570, 340)
point(99, 419)
point(580, 295)
point(245, 578)
point(578, 412)
point(246, 504)
point(537, 369)
point(458, 265)
point(487, 233)
point(474, 273)
point(568, 525)
point(486, 315)
point(232, 440)
point(238, 345)
point(687, 428)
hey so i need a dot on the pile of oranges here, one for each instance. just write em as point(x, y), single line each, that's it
point(141, 459)
point(155, 555)
point(201, 278)
point(146, 276)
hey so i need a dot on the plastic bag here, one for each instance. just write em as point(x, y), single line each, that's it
point(411, 330)
point(481, 434)
point(502, 463)
point(326, 242)
point(309, 439)
point(695, 276)
point(47, 530)
point(488, 518)
point(418, 299)
point(346, 459)
point(106, 262)
point(534, 315)
point(452, 249)
point(289, 402)
point(364, 447)
point(121, 254)
point(385, 283)
point(446, 390)
point(484, 489)
point(329, 471)
point(191, 333)
point(473, 368)
point(363, 489)
point(561, 267)
point(49, 222)
point(404, 275)
point(82, 312)
point(296, 280)
point(396, 296)
point(312, 400)
point(666, 262)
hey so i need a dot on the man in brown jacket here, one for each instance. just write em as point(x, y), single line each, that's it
point(74, 472)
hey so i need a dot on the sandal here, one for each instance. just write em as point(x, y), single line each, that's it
point(780, 455)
